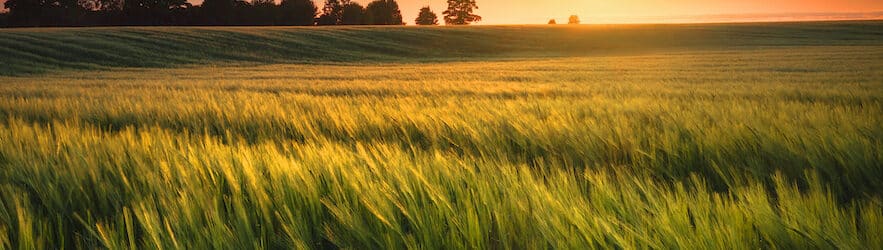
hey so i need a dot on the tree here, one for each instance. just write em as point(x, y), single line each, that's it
point(262, 12)
point(426, 17)
point(152, 12)
point(460, 12)
point(297, 12)
point(221, 12)
point(331, 13)
point(45, 12)
point(24, 12)
point(102, 12)
point(352, 14)
point(552, 21)
point(102, 5)
point(574, 19)
point(384, 12)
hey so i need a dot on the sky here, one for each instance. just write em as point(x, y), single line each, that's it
point(655, 11)
point(651, 11)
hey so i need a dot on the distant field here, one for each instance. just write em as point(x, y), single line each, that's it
point(27, 51)
point(713, 136)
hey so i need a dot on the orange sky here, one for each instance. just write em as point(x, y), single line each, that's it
point(653, 11)
point(640, 11)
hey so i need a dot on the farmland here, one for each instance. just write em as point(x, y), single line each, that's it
point(702, 136)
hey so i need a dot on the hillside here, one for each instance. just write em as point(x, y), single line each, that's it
point(26, 51)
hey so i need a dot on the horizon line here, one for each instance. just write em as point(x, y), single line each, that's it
point(735, 18)
point(724, 18)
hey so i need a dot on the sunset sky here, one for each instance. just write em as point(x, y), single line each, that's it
point(631, 11)
point(653, 11)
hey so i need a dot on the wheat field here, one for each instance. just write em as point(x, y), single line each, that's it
point(710, 143)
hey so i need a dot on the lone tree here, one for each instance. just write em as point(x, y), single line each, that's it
point(460, 12)
point(552, 21)
point(426, 17)
point(574, 19)
point(384, 12)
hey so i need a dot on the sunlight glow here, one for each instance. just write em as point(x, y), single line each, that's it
point(664, 11)
point(649, 11)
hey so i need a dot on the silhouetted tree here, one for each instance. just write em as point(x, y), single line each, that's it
point(153, 12)
point(460, 12)
point(25, 12)
point(262, 12)
point(552, 21)
point(352, 14)
point(426, 17)
point(103, 12)
point(221, 12)
point(102, 5)
point(210, 12)
point(297, 12)
point(384, 12)
point(331, 13)
point(62, 12)
point(56, 12)
point(574, 19)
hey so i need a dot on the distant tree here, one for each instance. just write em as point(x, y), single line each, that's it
point(102, 12)
point(384, 12)
point(221, 12)
point(45, 12)
point(574, 19)
point(102, 5)
point(264, 3)
point(331, 13)
point(426, 17)
point(24, 12)
point(153, 12)
point(297, 12)
point(262, 12)
point(460, 12)
point(552, 21)
point(352, 14)
point(62, 12)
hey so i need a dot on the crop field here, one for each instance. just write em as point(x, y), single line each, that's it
point(707, 136)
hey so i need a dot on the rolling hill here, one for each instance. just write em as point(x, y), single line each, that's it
point(27, 51)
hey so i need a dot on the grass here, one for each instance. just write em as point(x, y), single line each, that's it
point(716, 143)
point(41, 50)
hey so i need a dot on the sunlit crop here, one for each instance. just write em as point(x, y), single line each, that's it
point(708, 148)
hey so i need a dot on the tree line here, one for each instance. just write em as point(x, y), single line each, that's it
point(573, 19)
point(45, 13)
